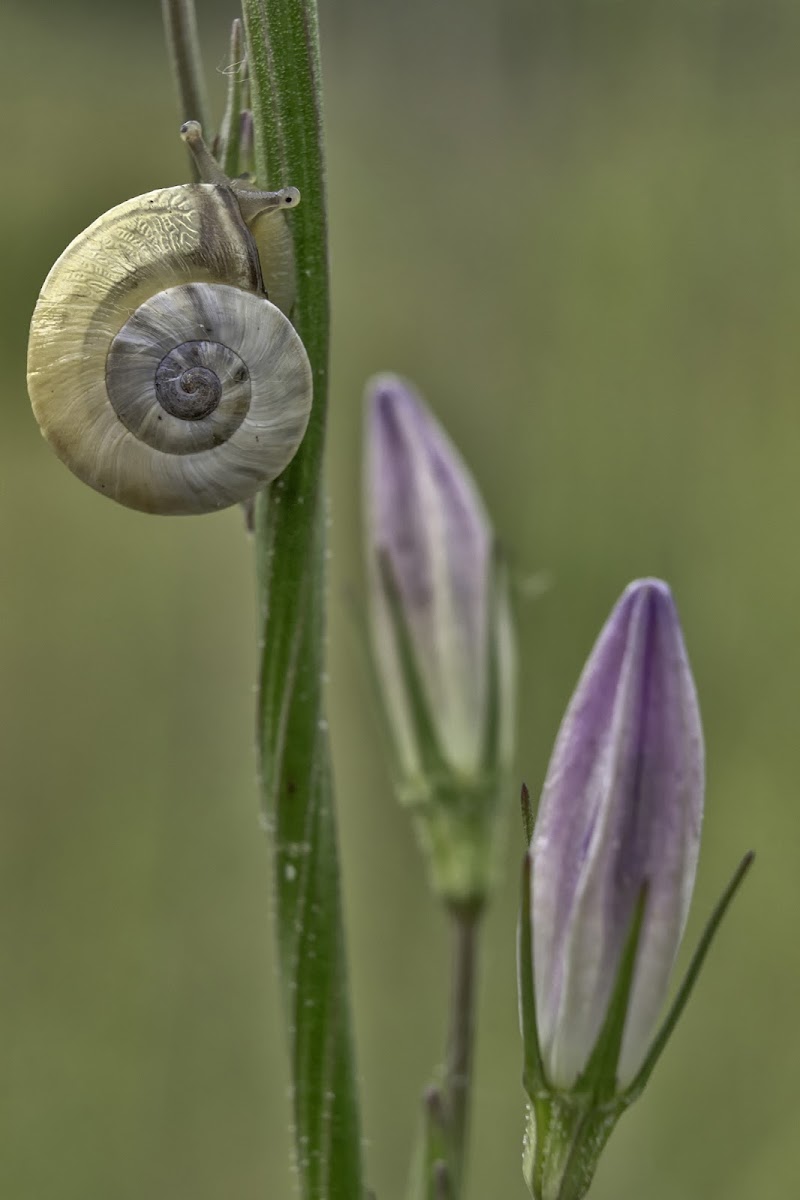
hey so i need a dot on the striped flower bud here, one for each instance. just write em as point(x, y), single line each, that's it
point(441, 633)
point(609, 877)
point(621, 808)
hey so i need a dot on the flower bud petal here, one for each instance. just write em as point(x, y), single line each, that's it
point(621, 810)
point(426, 519)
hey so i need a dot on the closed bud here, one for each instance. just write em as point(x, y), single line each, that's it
point(441, 635)
point(610, 873)
point(621, 809)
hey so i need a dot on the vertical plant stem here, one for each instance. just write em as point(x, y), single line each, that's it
point(461, 1036)
point(227, 147)
point(290, 545)
point(180, 23)
point(290, 540)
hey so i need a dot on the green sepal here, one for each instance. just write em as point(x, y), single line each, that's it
point(424, 731)
point(564, 1139)
point(635, 1089)
point(497, 594)
point(528, 813)
point(567, 1130)
point(533, 1076)
point(455, 821)
point(455, 814)
point(599, 1078)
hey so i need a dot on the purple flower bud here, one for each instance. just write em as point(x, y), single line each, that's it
point(621, 810)
point(441, 635)
point(427, 523)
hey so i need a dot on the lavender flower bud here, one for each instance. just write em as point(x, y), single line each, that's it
point(606, 889)
point(441, 633)
point(621, 809)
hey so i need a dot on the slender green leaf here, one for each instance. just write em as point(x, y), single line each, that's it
point(528, 815)
point(425, 735)
point(229, 140)
point(599, 1078)
point(685, 990)
point(180, 23)
point(533, 1076)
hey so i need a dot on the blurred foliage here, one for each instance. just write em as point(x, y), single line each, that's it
point(575, 225)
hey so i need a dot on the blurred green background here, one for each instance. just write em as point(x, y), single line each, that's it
point(577, 226)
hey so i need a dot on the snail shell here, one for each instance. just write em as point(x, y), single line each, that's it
point(158, 370)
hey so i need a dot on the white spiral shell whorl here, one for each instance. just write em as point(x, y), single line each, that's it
point(157, 369)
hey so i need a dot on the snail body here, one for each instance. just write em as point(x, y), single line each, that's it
point(158, 370)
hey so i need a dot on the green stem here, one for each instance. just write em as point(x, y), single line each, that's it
point(180, 23)
point(290, 537)
point(461, 1037)
point(230, 130)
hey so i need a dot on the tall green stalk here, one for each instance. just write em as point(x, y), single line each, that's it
point(290, 535)
point(183, 44)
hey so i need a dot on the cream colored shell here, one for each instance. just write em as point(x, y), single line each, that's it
point(174, 268)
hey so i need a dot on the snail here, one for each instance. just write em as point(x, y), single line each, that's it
point(158, 370)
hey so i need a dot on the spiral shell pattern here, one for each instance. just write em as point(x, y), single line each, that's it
point(156, 384)
point(216, 376)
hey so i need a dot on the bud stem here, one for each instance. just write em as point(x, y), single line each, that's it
point(461, 1036)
